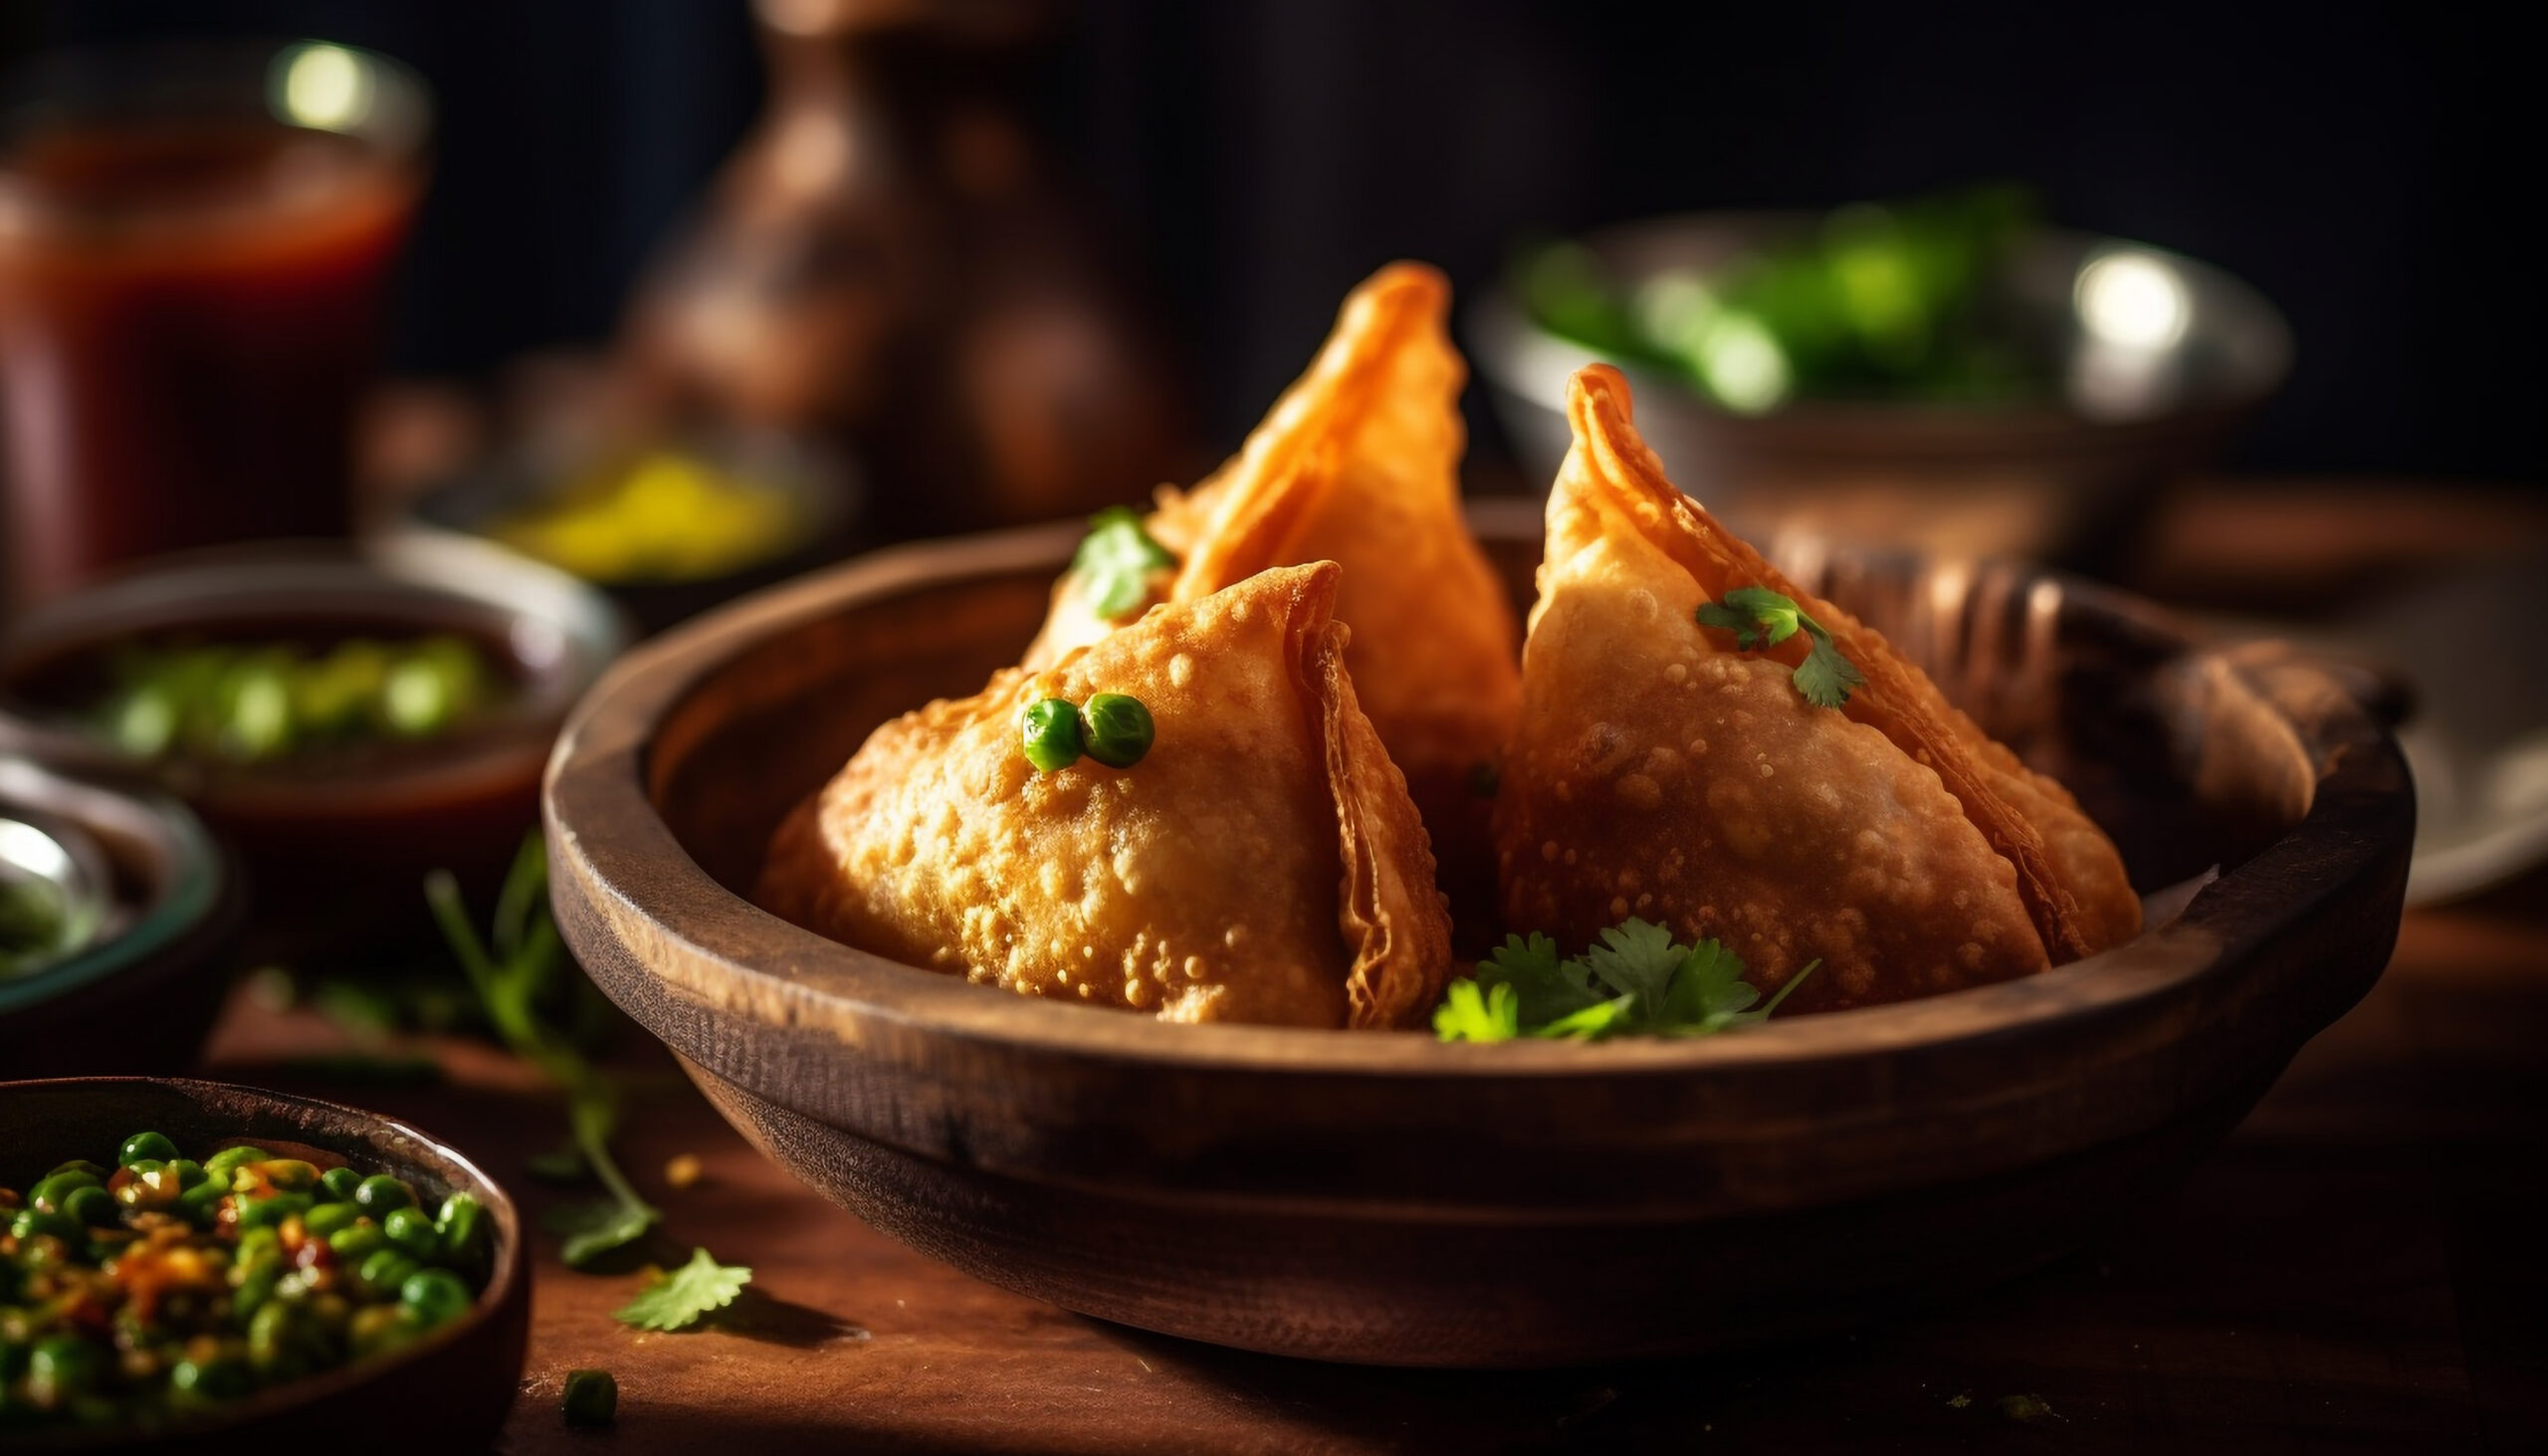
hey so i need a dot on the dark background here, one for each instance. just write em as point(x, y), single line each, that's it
point(2361, 164)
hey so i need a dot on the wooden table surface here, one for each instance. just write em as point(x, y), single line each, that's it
point(2358, 1268)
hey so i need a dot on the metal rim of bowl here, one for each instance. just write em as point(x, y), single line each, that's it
point(1532, 364)
point(173, 909)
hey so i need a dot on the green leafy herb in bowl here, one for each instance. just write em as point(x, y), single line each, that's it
point(260, 701)
point(1636, 982)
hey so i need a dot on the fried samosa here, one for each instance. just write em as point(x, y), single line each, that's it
point(1260, 863)
point(1358, 464)
point(1659, 769)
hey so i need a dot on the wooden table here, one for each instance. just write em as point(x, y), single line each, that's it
point(2358, 1268)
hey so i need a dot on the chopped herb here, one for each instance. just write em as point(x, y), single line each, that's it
point(1636, 982)
point(1115, 561)
point(684, 1295)
point(1759, 617)
point(527, 955)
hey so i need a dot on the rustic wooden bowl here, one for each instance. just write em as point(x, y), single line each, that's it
point(1391, 1200)
point(447, 1391)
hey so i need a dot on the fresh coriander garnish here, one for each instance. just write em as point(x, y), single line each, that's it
point(525, 957)
point(1115, 561)
point(1759, 617)
point(685, 1294)
point(1637, 981)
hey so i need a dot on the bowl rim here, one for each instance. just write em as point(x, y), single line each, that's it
point(506, 1258)
point(191, 895)
point(1520, 357)
point(419, 577)
point(603, 829)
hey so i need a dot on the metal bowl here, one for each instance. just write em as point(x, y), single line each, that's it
point(2159, 359)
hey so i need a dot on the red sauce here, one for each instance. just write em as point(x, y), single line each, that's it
point(187, 316)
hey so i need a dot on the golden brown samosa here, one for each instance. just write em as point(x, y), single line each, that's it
point(1358, 464)
point(1659, 772)
point(1262, 863)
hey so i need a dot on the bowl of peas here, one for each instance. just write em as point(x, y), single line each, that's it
point(196, 1266)
point(345, 719)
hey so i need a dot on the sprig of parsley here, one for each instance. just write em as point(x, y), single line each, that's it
point(1759, 617)
point(522, 956)
point(1115, 561)
point(686, 1295)
point(1635, 981)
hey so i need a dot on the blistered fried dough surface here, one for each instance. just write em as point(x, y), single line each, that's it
point(1261, 864)
point(1656, 771)
point(1358, 464)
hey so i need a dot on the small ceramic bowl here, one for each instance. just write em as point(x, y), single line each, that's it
point(141, 989)
point(818, 485)
point(1388, 1199)
point(334, 856)
point(447, 1391)
point(2155, 370)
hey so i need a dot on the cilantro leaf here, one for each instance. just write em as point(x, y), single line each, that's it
point(1469, 1014)
point(684, 1295)
point(1826, 677)
point(1637, 958)
point(1659, 987)
point(595, 1229)
point(1545, 989)
point(1115, 561)
point(1759, 617)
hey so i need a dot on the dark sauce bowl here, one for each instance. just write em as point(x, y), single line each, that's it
point(336, 840)
point(140, 992)
point(447, 1391)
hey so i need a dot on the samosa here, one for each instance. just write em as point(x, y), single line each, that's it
point(1257, 861)
point(1358, 464)
point(1704, 744)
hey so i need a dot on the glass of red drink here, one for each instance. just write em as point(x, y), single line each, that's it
point(194, 242)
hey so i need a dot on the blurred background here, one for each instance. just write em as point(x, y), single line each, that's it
point(1251, 158)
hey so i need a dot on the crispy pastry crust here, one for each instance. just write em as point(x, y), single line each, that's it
point(1358, 464)
point(1656, 772)
point(1262, 864)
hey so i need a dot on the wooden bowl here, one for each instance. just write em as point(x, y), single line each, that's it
point(447, 1391)
point(1394, 1200)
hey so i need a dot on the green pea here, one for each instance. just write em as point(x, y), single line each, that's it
point(60, 1368)
point(90, 1207)
point(52, 1192)
point(275, 1334)
point(1118, 729)
point(379, 1328)
point(462, 1226)
point(148, 1145)
point(222, 1164)
point(271, 1212)
point(380, 1193)
point(200, 1202)
point(592, 1397)
point(255, 1290)
point(80, 1165)
point(341, 1183)
point(1048, 733)
point(329, 1220)
point(435, 1295)
point(30, 1224)
point(412, 1230)
point(386, 1270)
point(357, 1243)
point(189, 1172)
point(220, 1376)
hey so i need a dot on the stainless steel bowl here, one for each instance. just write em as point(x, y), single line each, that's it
point(2160, 358)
